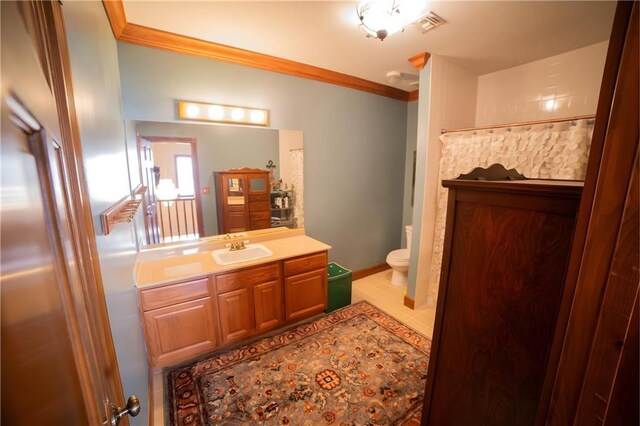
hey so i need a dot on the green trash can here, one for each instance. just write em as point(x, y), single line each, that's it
point(339, 287)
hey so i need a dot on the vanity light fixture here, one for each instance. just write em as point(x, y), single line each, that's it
point(222, 113)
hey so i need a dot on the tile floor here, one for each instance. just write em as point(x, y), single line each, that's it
point(375, 289)
point(378, 290)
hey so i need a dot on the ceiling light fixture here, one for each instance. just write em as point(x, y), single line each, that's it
point(381, 18)
point(222, 113)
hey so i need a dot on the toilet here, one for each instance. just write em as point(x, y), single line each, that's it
point(399, 261)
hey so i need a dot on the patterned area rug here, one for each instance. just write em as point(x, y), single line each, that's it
point(355, 366)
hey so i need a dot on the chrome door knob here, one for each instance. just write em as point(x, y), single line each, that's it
point(131, 409)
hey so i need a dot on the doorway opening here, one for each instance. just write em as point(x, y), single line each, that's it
point(173, 208)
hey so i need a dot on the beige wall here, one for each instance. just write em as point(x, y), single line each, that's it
point(164, 157)
point(564, 85)
point(451, 104)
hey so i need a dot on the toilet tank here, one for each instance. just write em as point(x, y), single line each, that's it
point(408, 230)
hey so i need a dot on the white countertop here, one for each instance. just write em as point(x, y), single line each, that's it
point(190, 261)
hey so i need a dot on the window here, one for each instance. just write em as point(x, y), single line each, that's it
point(184, 176)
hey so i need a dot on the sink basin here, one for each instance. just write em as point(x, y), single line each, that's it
point(252, 252)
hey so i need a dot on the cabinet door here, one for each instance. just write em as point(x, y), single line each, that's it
point(305, 294)
point(236, 219)
point(267, 301)
point(234, 202)
point(235, 315)
point(179, 332)
point(258, 183)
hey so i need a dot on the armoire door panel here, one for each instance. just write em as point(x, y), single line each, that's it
point(500, 272)
point(503, 269)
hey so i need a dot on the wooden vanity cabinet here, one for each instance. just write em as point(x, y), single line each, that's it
point(242, 200)
point(188, 318)
point(305, 286)
point(179, 321)
point(249, 301)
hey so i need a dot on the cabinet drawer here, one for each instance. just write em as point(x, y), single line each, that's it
point(254, 198)
point(259, 206)
point(305, 263)
point(174, 293)
point(260, 215)
point(256, 275)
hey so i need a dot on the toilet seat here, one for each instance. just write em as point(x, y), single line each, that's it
point(399, 256)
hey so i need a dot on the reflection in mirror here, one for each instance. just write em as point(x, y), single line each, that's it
point(235, 188)
point(184, 159)
point(258, 184)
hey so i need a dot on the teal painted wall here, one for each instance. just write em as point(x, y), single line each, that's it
point(96, 85)
point(354, 142)
point(220, 148)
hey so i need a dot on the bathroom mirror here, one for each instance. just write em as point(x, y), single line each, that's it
point(182, 205)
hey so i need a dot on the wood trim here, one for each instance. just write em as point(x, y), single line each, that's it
point(623, 403)
point(196, 171)
point(356, 275)
point(151, 37)
point(413, 96)
point(615, 320)
point(409, 302)
point(116, 15)
point(419, 60)
point(81, 216)
point(198, 188)
point(608, 172)
point(151, 399)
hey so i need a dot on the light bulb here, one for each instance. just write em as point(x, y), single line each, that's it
point(237, 114)
point(550, 105)
point(216, 112)
point(193, 111)
point(257, 116)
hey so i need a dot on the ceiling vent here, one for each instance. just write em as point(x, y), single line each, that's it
point(429, 22)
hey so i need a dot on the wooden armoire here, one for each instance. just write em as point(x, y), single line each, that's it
point(506, 250)
point(591, 370)
point(242, 200)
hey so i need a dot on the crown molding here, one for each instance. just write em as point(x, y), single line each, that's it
point(419, 60)
point(116, 16)
point(151, 37)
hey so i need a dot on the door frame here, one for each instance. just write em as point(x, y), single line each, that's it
point(196, 170)
point(152, 236)
point(610, 177)
point(54, 41)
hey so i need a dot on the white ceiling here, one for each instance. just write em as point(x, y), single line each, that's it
point(480, 36)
